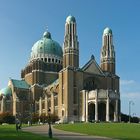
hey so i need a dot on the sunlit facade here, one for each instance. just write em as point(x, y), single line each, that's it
point(52, 79)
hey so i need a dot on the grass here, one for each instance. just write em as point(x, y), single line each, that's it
point(122, 131)
point(8, 132)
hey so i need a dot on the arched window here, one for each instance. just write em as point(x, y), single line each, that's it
point(43, 105)
point(49, 102)
point(55, 101)
point(62, 112)
point(75, 112)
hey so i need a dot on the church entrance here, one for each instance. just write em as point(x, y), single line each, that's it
point(102, 112)
point(111, 112)
point(91, 112)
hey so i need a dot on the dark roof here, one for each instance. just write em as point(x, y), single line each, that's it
point(20, 84)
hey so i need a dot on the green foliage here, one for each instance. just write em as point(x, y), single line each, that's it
point(8, 132)
point(135, 120)
point(125, 118)
point(44, 119)
point(122, 131)
point(35, 118)
point(7, 118)
point(50, 118)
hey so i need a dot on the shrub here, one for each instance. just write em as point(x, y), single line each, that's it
point(35, 118)
point(49, 118)
point(7, 117)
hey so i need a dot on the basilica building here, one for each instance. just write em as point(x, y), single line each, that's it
point(52, 80)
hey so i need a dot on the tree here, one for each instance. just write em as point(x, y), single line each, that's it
point(135, 120)
point(125, 118)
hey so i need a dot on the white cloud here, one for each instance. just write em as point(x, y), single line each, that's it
point(127, 82)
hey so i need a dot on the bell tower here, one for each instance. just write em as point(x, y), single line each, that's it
point(71, 44)
point(108, 52)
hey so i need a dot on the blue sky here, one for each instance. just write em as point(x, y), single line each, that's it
point(22, 23)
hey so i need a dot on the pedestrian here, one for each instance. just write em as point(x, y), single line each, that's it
point(17, 124)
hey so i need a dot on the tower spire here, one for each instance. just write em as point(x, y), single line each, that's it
point(107, 52)
point(71, 44)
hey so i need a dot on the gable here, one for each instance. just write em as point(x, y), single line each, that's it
point(92, 67)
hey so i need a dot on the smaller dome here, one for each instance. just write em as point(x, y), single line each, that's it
point(6, 91)
point(107, 31)
point(47, 35)
point(70, 19)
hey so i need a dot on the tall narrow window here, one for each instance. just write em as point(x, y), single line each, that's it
point(75, 95)
point(62, 112)
point(55, 101)
point(75, 112)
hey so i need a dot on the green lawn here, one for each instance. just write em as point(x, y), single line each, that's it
point(8, 132)
point(121, 131)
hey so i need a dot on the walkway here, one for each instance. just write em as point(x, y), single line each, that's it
point(62, 135)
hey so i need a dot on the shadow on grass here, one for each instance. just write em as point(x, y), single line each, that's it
point(9, 133)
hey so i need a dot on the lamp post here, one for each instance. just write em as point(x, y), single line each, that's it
point(130, 103)
point(49, 123)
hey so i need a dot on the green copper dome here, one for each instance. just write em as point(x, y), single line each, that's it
point(107, 31)
point(46, 46)
point(6, 91)
point(70, 19)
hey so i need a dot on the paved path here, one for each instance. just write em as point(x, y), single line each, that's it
point(62, 135)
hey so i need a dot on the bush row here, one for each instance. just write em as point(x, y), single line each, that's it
point(7, 117)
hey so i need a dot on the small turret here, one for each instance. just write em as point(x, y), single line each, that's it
point(107, 52)
point(71, 44)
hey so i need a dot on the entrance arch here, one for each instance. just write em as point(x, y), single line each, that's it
point(91, 112)
point(111, 111)
point(102, 111)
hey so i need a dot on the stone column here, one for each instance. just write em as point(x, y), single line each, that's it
point(15, 102)
point(40, 106)
point(116, 111)
point(46, 105)
point(86, 117)
point(52, 103)
point(1, 109)
point(96, 106)
point(83, 105)
point(3, 104)
point(107, 109)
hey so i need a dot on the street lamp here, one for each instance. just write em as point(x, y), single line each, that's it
point(49, 123)
point(130, 103)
